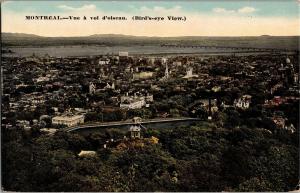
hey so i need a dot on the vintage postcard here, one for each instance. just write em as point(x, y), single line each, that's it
point(150, 96)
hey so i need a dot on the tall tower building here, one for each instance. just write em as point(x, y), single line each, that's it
point(167, 71)
point(189, 72)
point(288, 60)
point(1, 81)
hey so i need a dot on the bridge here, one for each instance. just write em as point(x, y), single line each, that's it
point(127, 124)
point(228, 47)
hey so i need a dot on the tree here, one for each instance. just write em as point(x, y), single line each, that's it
point(233, 119)
point(255, 185)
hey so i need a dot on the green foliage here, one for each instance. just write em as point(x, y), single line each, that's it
point(233, 119)
point(255, 185)
point(194, 158)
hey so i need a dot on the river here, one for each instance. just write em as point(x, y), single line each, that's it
point(92, 50)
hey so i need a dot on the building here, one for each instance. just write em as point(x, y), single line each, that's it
point(68, 120)
point(177, 63)
point(103, 61)
point(210, 105)
point(216, 88)
point(135, 131)
point(98, 87)
point(279, 121)
point(243, 102)
point(1, 81)
point(288, 61)
point(276, 87)
point(48, 131)
point(290, 128)
point(92, 88)
point(137, 120)
point(166, 77)
point(135, 102)
point(123, 57)
point(123, 54)
point(42, 79)
point(152, 60)
point(87, 153)
point(142, 75)
point(167, 72)
point(164, 60)
point(189, 74)
point(296, 78)
point(277, 100)
point(23, 124)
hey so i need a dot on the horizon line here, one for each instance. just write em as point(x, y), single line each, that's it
point(148, 36)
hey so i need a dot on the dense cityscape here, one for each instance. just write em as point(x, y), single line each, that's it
point(240, 113)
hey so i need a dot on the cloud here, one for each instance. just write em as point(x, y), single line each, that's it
point(247, 10)
point(160, 10)
point(243, 10)
point(89, 7)
point(5, 2)
point(222, 10)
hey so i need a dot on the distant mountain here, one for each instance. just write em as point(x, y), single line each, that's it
point(264, 41)
point(113, 36)
point(19, 35)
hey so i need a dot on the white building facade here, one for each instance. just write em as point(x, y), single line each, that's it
point(135, 102)
point(243, 102)
point(68, 120)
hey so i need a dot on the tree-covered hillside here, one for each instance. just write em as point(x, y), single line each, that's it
point(196, 158)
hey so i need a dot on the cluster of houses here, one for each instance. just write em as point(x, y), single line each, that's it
point(121, 81)
point(136, 101)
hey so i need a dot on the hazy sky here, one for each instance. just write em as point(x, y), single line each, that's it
point(204, 18)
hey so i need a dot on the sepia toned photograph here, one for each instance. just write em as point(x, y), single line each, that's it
point(150, 96)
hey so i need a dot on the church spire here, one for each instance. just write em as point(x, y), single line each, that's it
point(167, 71)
